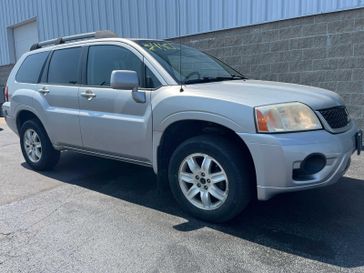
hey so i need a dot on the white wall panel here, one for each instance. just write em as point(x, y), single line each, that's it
point(24, 36)
point(150, 18)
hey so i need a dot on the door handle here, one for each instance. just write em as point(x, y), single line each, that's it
point(44, 90)
point(88, 94)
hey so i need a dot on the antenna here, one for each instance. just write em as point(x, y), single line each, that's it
point(180, 44)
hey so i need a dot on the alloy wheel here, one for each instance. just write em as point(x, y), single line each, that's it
point(32, 145)
point(203, 181)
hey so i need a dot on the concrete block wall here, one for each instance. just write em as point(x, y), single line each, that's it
point(323, 50)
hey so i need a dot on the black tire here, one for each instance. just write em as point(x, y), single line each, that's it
point(49, 156)
point(240, 179)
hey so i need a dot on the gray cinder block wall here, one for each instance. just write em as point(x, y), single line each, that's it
point(324, 50)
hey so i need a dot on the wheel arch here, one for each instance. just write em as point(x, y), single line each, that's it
point(26, 114)
point(178, 131)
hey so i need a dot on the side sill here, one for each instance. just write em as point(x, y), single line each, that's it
point(104, 155)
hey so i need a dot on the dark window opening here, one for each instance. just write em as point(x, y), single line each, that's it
point(31, 68)
point(104, 59)
point(64, 66)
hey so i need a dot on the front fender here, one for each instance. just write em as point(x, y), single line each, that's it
point(160, 128)
point(170, 105)
point(201, 116)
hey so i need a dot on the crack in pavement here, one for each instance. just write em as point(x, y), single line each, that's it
point(48, 215)
point(29, 235)
point(29, 196)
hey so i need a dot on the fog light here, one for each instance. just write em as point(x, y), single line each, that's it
point(311, 165)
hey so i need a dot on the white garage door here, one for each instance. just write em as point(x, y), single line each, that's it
point(24, 36)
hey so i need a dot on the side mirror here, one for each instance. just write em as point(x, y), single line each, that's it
point(127, 80)
point(124, 79)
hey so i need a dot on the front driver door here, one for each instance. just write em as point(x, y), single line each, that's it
point(111, 121)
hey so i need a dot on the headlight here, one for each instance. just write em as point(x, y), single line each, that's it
point(286, 117)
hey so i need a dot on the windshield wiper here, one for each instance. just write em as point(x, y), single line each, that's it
point(214, 79)
point(238, 77)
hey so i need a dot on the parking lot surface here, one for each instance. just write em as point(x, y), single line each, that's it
point(98, 215)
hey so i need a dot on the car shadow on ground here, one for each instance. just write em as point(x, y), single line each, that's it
point(325, 224)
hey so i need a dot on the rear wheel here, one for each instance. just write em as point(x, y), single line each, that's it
point(209, 178)
point(36, 146)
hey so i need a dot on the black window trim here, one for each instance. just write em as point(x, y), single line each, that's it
point(44, 77)
point(84, 60)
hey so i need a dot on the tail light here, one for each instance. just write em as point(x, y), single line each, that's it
point(6, 92)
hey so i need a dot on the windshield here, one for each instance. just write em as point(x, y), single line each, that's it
point(196, 66)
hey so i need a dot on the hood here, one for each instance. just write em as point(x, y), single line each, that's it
point(255, 93)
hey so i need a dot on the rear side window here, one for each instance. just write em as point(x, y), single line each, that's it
point(29, 71)
point(64, 66)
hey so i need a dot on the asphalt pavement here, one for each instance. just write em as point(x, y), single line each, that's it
point(98, 215)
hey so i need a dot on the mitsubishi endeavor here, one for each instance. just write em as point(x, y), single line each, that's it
point(219, 138)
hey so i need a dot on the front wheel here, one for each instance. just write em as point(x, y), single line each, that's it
point(210, 179)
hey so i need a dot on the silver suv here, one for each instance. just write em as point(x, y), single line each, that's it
point(219, 138)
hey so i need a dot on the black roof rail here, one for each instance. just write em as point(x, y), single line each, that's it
point(61, 40)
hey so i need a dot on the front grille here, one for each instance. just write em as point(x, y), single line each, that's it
point(336, 117)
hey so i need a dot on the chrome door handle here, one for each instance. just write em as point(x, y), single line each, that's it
point(88, 94)
point(43, 91)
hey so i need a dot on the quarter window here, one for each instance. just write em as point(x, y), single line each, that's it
point(29, 71)
point(151, 80)
point(64, 66)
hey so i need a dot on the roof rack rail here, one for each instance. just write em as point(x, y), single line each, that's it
point(62, 40)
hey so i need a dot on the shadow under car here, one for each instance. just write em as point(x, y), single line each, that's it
point(324, 224)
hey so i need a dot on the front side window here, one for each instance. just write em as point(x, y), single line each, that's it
point(64, 66)
point(103, 59)
point(188, 65)
point(31, 68)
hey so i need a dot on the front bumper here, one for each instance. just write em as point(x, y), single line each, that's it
point(277, 155)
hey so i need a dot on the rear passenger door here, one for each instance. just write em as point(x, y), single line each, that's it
point(59, 88)
point(111, 121)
